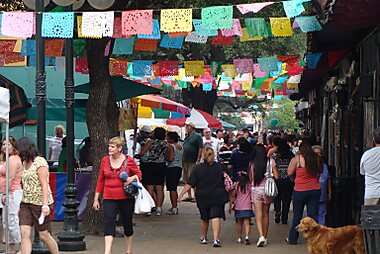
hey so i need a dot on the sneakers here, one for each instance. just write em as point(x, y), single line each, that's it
point(216, 243)
point(246, 241)
point(172, 211)
point(158, 211)
point(239, 240)
point(203, 240)
point(277, 217)
point(261, 241)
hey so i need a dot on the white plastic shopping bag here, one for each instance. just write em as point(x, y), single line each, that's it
point(144, 202)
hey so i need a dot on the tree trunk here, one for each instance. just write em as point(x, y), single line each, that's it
point(102, 121)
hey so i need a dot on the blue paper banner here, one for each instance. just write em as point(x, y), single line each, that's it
point(58, 24)
point(278, 71)
point(28, 48)
point(281, 80)
point(156, 34)
point(142, 67)
point(49, 61)
point(312, 60)
point(308, 24)
point(207, 87)
point(203, 32)
point(123, 46)
point(267, 63)
point(293, 8)
point(1, 18)
point(173, 43)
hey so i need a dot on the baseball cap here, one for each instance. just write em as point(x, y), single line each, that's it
point(146, 129)
point(192, 124)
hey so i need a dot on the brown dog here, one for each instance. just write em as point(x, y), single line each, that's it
point(324, 240)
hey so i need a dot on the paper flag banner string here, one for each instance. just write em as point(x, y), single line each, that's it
point(243, 65)
point(229, 70)
point(207, 87)
point(156, 34)
point(107, 49)
point(267, 63)
point(294, 69)
point(123, 46)
point(194, 68)
point(117, 31)
point(176, 20)
point(308, 24)
point(58, 25)
point(118, 67)
point(203, 32)
point(289, 59)
point(193, 37)
point(18, 24)
point(295, 25)
point(137, 22)
point(97, 24)
point(258, 82)
point(236, 29)
point(222, 40)
point(281, 26)
point(81, 65)
point(7, 46)
point(217, 17)
point(168, 68)
point(206, 79)
point(277, 72)
point(312, 60)
point(257, 72)
point(53, 48)
point(177, 34)
point(257, 27)
point(175, 43)
point(142, 67)
point(294, 79)
point(14, 59)
point(293, 8)
point(245, 37)
point(146, 45)
point(255, 7)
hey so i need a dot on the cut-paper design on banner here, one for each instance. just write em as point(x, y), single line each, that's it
point(176, 20)
point(81, 65)
point(18, 24)
point(201, 31)
point(168, 68)
point(215, 68)
point(293, 8)
point(229, 70)
point(294, 69)
point(217, 17)
point(7, 46)
point(254, 7)
point(207, 87)
point(54, 48)
point(177, 34)
point(312, 60)
point(289, 59)
point(308, 24)
point(175, 43)
point(194, 68)
point(123, 46)
point(118, 67)
point(194, 37)
point(257, 27)
point(294, 79)
point(146, 45)
point(58, 25)
point(277, 72)
point(243, 65)
point(245, 37)
point(281, 27)
point(117, 31)
point(137, 22)
point(235, 30)
point(222, 40)
point(267, 63)
point(156, 34)
point(142, 67)
point(257, 72)
point(97, 24)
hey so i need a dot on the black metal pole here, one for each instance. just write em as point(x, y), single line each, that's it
point(70, 239)
point(39, 246)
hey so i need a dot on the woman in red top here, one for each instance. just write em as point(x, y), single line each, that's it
point(114, 199)
point(306, 165)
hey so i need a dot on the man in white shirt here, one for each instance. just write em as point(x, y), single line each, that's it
point(370, 168)
point(209, 140)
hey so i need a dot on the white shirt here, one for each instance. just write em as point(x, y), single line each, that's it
point(56, 146)
point(370, 168)
point(213, 142)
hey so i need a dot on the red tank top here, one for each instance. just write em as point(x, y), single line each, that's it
point(305, 180)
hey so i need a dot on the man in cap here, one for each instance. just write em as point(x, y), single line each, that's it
point(192, 147)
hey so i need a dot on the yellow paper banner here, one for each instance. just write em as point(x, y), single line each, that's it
point(194, 68)
point(127, 119)
point(281, 26)
point(245, 37)
point(229, 70)
point(176, 20)
point(79, 23)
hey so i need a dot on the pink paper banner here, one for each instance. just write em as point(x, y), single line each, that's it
point(137, 22)
point(235, 30)
point(257, 72)
point(255, 8)
point(18, 24)
point(243, 65)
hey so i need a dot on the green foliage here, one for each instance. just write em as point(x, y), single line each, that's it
point(235, 120)
point(11, 5)
point(284, 115)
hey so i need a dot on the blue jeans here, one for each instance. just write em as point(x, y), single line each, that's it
point(322, 213)
point(300, 199)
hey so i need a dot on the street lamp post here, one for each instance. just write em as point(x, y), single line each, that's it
point(70, 239)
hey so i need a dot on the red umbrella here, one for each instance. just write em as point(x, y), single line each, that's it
point(200, 118)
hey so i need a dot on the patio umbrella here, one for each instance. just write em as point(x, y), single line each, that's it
point(123, 88)
point(158, 102)
point(18, 100)
point(227, 125)
point(200, 118)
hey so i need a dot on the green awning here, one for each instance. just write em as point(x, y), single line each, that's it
point(227, 125)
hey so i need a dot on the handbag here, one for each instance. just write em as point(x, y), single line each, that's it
point(270, 188)
point(144, 202)
point(129, 189)
point(228, 184)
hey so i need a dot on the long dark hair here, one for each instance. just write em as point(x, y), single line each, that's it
point(313, 162)
point(12, 141)
point(243, 180)
point(244, 145)
point(27, 149)
point(283, 149)
point(259, 161)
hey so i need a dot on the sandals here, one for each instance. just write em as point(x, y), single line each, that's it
point(188, 200)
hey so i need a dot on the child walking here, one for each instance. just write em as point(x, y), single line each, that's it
point(240, 202)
